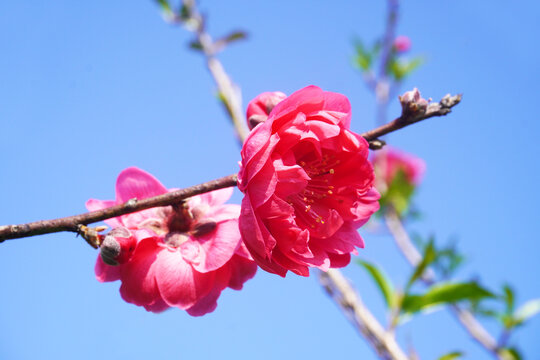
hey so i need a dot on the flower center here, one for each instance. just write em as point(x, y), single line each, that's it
point(321, 172)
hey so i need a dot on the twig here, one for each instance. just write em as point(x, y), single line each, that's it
point(72, 223)
point(389, 36)
point(434, 109)
point(413, 256)
point(229, 93)
point(351, 304)
point(382, 85)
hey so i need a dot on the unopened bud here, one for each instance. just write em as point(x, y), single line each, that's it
point(259, 108)
point(413, 103)
point(117, 246)
point(402, 43)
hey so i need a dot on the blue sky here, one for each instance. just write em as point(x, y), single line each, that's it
point(90, 88)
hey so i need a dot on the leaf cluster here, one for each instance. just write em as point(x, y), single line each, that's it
point(397, 67)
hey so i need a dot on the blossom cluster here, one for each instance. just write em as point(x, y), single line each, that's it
point(182, 256)
point(308, 186)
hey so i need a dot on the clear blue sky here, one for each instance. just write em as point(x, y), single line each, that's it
point(90, 88)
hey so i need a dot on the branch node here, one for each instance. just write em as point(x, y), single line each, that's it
point(131, 203)
point(449, 101)
point(91, 234)
point(376, 144)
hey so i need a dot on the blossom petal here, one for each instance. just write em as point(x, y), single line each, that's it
point(223, 212)
point(279, 258)
point(266, 180)
point(306, 100)
point(138, 274)
point(104, 272)
point(253, 164)
point(257, 148)
point(208, 303)
point(366, 206)
point(243, 251)
point(136, 183)
point(338, 102)
point(242, 269)
point(256, 237)
point(216, 197)
point(218, 246)
point(94, 205)
point(291, 179)
point(339, 260)
point(180, 285)
point(342, 242)
point(157, 307)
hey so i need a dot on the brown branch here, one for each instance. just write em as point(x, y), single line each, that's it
point(72, 223)
point(229, 92)
point(384, 343)
point(434, 109)
point(383, 87)
point(465, 317)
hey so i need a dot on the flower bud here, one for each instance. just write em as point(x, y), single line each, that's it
point(117, 246)
point(402, 44)
point(412, 102)
point(259, 108)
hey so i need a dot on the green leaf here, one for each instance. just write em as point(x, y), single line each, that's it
point(235, 36)
point(510, 354)
point(526, 311)
point(165, 7)
point(444, 293)
point(429, 256)
point(382, 281)
point(448, 260)
point(508, 298)
point(226, 40)
point(486, 312)
point(363, 58)
point(195, 45)
point(398, 193)
point(507, 320)
point(410, 66)
point(185, 12)
point(400, 68)
point(451, 356)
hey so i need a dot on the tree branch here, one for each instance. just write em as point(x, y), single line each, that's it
point(440, 108)
point(382, 86)
point(72, 223)
point(229, 92)
point(384, 343)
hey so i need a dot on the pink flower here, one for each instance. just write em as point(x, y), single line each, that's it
point(402, 43)
point(259, 108)
point(308, 185)
point(182, 257)
point(389, 161)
